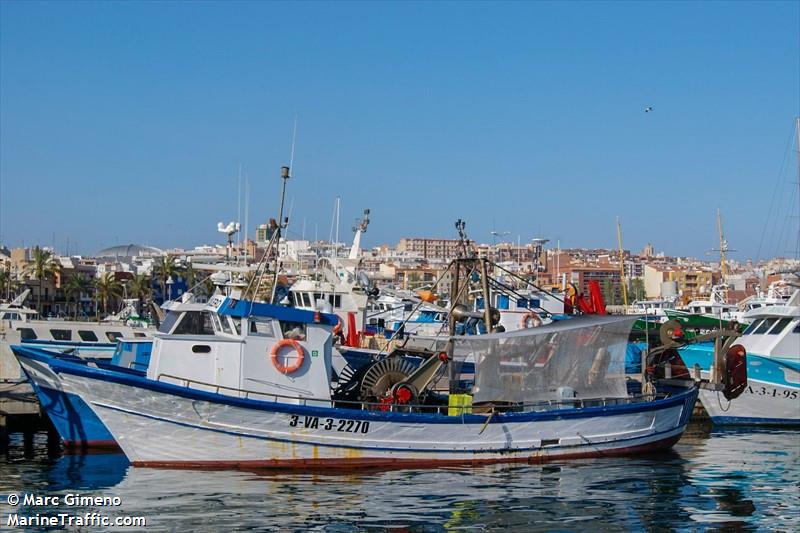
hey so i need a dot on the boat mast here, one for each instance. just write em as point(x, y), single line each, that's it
point(622, 282)
point(723, 247)
point(285, 178)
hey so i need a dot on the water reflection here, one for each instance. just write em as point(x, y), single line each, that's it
point(726, 480)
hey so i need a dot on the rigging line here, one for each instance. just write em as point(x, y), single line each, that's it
point(780, 241)
point(784, 160)
point(416, 308)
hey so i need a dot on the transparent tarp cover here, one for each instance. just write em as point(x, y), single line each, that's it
point(582, 357)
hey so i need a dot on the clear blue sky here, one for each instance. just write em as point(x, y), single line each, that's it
point(126, 122)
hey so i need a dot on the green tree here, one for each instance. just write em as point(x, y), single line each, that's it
point(164, 269)
point(107, 288)
point(141, 287)
point(191, 277)
point(7, 284)
point(637, 289)
point(42, 266)
point(609, 294)
point(76, 285)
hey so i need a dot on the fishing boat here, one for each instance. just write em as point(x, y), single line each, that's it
point(262, 395)
point(249, 384)
point(772, 397)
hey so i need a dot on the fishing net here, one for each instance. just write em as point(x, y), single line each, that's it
point(583, 357)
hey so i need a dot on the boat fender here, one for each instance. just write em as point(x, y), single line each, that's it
point(283, 368)
point(530, 320)
point(735, 377)
point(337, 329)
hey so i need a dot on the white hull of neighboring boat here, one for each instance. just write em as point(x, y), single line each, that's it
point(194, 429)
point(761, 403)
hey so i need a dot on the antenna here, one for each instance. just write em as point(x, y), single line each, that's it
point(294, 137)
point(246, 213)
point(239, 206)
point(359, 229)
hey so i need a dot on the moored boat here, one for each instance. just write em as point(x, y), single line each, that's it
point(772, 397)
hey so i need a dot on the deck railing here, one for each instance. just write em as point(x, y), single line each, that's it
point(482, 408)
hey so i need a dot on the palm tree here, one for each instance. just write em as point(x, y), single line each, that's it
point(42, 266)
point(6, 283)
point(107, 287)
point(191, 277)
point(141, 287)
point(76, 285)
point(166, 268)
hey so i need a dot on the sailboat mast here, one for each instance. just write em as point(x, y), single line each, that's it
point(622, 282)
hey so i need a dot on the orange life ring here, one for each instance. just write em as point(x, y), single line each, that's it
point(532, 318)
point(338, 327)
point(287, 369)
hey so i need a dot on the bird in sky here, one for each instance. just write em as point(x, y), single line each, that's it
point(648, 109)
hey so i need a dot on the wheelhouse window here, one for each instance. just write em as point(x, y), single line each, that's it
point(752, 327)
point(335, 300)
point(61, 334)
point(112, 336)
point(764, 327)
point(796, 328)
point(169, 322)
point(226, 325)
point(780, 326)
point(261, 327)
point(27, 334)
point(293, 330)
point(87, 336)
point(195, 323)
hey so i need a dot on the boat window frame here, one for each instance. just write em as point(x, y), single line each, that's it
point(61, 335)
point(765, 326)
point(168, 324)
point(87, 335)
point(266, 333)
point(27, 334)
point(113, 336)
point(225, 326)
point(753, 325)
point(288, 330)
point(204, 325)
point(796, 327)
point(779, 326)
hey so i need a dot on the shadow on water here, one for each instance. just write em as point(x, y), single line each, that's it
point(733, 481)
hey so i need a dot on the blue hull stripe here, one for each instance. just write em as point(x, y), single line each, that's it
point(753, 421)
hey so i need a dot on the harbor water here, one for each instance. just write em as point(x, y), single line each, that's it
point(718, 480)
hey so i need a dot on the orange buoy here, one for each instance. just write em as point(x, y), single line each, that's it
point(530, 320)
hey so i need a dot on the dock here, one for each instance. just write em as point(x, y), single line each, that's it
point(20, 413)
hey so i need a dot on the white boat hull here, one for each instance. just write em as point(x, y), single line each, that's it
point(200, 432)
point(761, 403)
